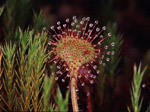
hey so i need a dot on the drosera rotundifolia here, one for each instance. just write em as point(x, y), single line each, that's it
point(76, 46)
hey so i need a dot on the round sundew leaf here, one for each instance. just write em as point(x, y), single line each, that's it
point(75, 51)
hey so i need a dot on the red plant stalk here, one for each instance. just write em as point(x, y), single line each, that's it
point(75, 47)
point(89, 103)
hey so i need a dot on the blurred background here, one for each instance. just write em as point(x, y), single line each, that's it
point(131, 16)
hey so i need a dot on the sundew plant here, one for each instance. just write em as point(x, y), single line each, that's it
point(74, 65)
point(76, 50)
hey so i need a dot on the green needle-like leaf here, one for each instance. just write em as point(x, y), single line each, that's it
point(1, 10)
point(136, 88)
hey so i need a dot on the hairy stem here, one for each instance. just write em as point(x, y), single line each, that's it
point(74, 95)
point(89, 103)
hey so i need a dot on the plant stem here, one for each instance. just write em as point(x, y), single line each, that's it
point(89, 103)
point(74, 95)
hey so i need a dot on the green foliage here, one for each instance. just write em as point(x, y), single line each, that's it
point(22, 13)
point(47, 92)
point(136, 88)
point(25, 85)
point(1, 70)
point(9, 17)
point(106, 79)
point(24, 82)
point(39, 22)
point(31, 64)
point(1, 10)
point(9, 58)
point(18, 14)
point(62, 103)
point(112, 65)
